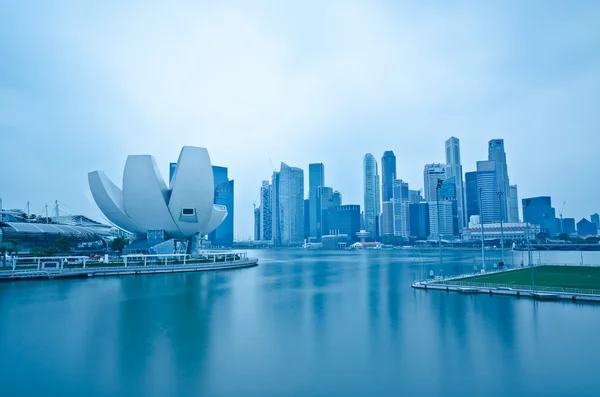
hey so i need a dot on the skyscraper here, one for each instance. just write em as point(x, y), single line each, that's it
point(431, 174)
point(256, 224)
point(540, 212)
point(513, 209)
point(290, 197)
point(371, 194)
point(454, 169)
point(387, 218)
point(448, 192)
point(496, 153)
point(414, 196)
point(316, 179)
point(489, 202)
point(224, 190)
point(419, 220)
point(471, 194)
point(324, 201)
point(401, 214)
point(306, 219)
point(337, 199)
point(388, 174)
point(445, 224)
point(275, 218)
point(343, 219)
point(596, 220)
point(266, 211)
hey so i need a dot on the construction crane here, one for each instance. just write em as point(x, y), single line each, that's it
point(560, 214)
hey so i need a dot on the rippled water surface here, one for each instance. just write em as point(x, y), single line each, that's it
point(306, 323)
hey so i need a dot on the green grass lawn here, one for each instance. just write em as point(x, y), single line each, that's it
point(546, 276)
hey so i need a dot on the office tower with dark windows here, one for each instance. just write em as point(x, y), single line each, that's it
point(343, 219)
point(539, 211)
point(316, 179)
point(454, 170)
point(596, 220)
point(471, 194)
point(401, 214)
point(324, 201)
point(388, 174)
point(419, 220)
point(371, 195)
point(337, 199)
point(256, 224)
point(224, 195)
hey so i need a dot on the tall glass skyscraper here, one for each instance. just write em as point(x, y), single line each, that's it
point(489, 202)
point(454, 169)
point(496, 153)
point(419, 220)
point(388, 174)
point(371, 194)
point(471, 194)
point(324, 201)
point(224, 188)
point(291, 205)
point(316, 179)
point(401, 214)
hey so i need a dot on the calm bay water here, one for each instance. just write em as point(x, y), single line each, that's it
point(302, 323)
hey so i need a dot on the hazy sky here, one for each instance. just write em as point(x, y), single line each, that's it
point(85, 83)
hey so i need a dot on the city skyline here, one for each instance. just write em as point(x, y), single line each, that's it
point(274, 88)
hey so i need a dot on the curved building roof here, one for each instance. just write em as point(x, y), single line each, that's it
point(48, 228)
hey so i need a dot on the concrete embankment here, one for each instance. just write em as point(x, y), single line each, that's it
point(10, 275)
point(535, 294)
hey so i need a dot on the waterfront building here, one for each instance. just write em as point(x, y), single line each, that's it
point(586, 228)
point(471, 194)
point(497, 154)
point(513, 209)
point(371, 195)
point(540, 212)
point(316, 179)
point(290, 205)
point(491, 231)
point(257, 224)
point(400, 207)
point(419, 220)
point(344, 220)
point(454, 170)
point(442, 222)
point(568, 226)
point(266, 211)
point(489, 202)
point(388, 169)
point(158, 215)
point(431, 174)
point(224, 195)
point(596, 220)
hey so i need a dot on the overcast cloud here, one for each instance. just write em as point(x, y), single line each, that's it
point(84, 85)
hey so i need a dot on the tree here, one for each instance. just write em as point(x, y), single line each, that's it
point(63, 244)
point(564, 237)
point(14, 247)
point(118, 244)
point(542, 237)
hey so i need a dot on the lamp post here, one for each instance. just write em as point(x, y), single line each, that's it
point(481, 223)
point(437, 194)
point(501, 225)
point(527, 202)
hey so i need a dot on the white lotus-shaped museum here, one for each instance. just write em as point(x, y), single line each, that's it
point(146, 203)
